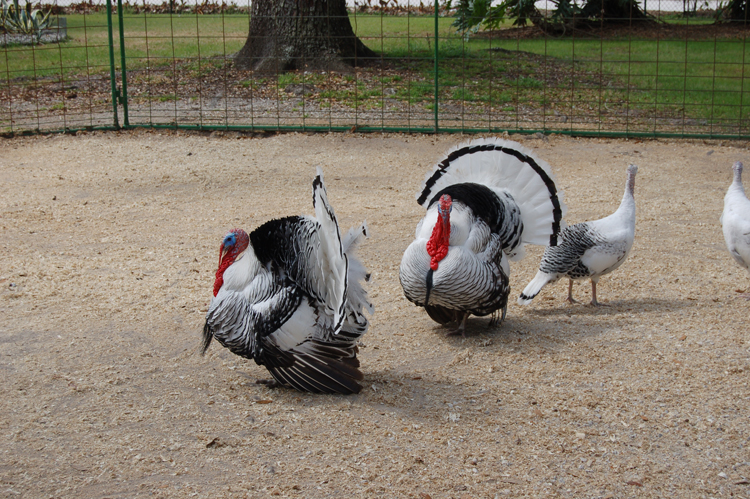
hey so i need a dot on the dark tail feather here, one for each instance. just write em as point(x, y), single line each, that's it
point(441, 315)
point(207, 337)
point(318, 375)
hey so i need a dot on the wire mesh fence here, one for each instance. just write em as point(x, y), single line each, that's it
point(175, 65)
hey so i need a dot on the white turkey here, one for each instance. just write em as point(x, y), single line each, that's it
point(735, 220)
point(589, 249)
point(485, 199)
point(290, 297)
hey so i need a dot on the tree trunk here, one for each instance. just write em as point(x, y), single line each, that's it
point(737, 11)
point(593, 15)
point(615, 11)
point(286, 35)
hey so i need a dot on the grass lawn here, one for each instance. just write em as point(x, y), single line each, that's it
point(699, 79)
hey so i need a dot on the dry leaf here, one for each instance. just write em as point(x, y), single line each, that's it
point(635, 482)
point(263, 401)
point(683, 337)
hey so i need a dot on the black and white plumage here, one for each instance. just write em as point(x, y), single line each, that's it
point(290, 297)
point(735, 220)
point(485, 199)
point(589, 249)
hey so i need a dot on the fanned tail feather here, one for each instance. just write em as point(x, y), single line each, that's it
point(534, 287)
point(356, 299)
point(334, 263)
point(504, 165)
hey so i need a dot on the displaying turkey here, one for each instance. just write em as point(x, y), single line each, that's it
point(485, 199)
point(735, 220)
point(290, 297)
point(589, 249)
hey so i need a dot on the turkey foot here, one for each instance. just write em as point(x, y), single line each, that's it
point(461, 329)
point(593, 297)
point(570, 293)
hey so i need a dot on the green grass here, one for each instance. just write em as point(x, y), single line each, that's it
point(701, 79)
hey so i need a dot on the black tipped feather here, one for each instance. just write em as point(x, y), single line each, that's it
point(208, 335)
point(444, 166)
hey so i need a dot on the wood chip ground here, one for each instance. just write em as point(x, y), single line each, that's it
point(108, 248)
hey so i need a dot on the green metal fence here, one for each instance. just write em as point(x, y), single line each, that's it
point(132, 67)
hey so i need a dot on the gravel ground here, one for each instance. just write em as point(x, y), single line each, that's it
point(109, 244)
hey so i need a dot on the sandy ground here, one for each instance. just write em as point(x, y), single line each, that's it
point(108, 247)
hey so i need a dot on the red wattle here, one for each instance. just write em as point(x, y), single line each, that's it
point(224, 263)
point(218, 283)
point(437, 246)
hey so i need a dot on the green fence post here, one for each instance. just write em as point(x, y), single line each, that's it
point(437, 119)
point(124, 99)
point(112, 76)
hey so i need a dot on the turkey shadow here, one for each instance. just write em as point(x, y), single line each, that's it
point(615, 307)
point(408, 393)
point(514, 330)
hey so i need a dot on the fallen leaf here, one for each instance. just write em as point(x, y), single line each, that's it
point(422, 495)
point(263, 401)
point(635, 482)
point(683, 337)
point(644, 418)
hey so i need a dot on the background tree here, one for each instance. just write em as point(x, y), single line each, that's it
point(564, 16)
point(286, 35)
point(734, 10)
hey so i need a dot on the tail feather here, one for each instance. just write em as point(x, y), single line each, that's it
point(535, 286)
point(504, 165)
point(356, 294)
point(333, 262)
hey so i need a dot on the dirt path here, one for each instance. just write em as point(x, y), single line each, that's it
point(108, 247)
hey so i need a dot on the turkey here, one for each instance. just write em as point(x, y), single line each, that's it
point(290, 297)
point(735, 221)
point(589, 249)
point(485, 199)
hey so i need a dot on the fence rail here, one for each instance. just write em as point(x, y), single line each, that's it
point(123, 67)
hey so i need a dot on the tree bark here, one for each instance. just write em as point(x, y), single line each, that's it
point(285, 35)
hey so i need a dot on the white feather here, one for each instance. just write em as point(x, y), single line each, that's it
point(735, 220)
point(504, 172)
